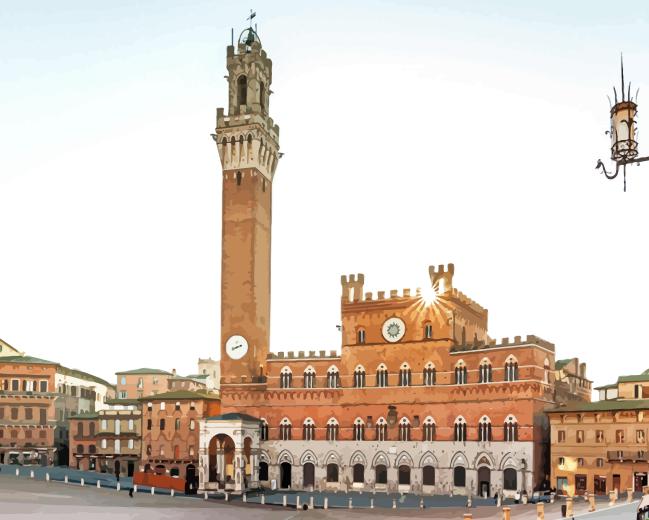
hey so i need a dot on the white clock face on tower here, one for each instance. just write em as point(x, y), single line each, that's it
point(236, 347)
point(393, 329)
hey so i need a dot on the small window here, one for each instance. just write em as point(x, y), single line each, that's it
point(580, 436)
point(428, 331)
point(561, 436)
point(361, 336)
point(177, 406)
point(238, 178)
point(162, 405)
point(562, 461)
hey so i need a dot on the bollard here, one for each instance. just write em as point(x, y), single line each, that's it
point(31, 473)
point(611, 498)
point(118, 487)
point(83, 482)
point(227, 496)
point(205, 496)
point(349, 503)
point(135, 488)
point(499, 500)
point(326, 503)
point(552, 498)
point(394, 503)
point(469, 502)
point(371, 503)
point(65, 479)
point(297, 502)
point(311, 502)
point(244, 497)
point(569, 508)
point(421, 503)
point(173, 493)
point(98, 484)
point(263, 499)
point(153, 490)
point(284, 500)
point(524, 498)
point(591, 503)
point(17, 472)
point(629, 495)
point(540, 511)
point(47, 477)
point(507, 513)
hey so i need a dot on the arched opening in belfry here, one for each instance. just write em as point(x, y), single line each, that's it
point(242, 90)
point(262, 96)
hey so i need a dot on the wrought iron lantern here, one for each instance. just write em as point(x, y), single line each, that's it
point(623, 132)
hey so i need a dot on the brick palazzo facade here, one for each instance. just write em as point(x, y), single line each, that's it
point(419, 398)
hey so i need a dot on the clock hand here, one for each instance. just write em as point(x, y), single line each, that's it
point(236, 347)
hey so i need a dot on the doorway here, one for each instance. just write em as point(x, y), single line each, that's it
point(117, 468)
point(616, 482)
point(130, 468)
point(639, 481)
point(285, 475)
point(191, 485)
point(600, 485)
point(484, 481)
point(308, 474)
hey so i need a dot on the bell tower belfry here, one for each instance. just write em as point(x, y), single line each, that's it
point(248, 143)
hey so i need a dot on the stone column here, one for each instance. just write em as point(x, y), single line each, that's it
point(254, 469)
point(220, 464)
point(239, 469)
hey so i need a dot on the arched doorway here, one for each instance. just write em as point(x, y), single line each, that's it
point(263, 471)
point(404, 475)
point(359, 474)
point(221, 458)
point(308, 474)
point(285, 475)
point(484, 481)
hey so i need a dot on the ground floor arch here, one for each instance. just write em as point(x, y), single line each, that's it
point(308, 474)
point(285, 474)
point(484, 481)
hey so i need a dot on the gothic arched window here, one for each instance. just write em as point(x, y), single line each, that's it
point(460, 373)
point(428, 331)
point(486, 373)
point(285, 378)
point(333, 377)
point(405, 375)
point(308, 429)
point(360, 336)
point(359, 377)
point(359, 429)
point(381, 429)
point(332, 429)
point(511, 369)
point(460, 430)
point(429, 429)
point(242, 90)
point(262, 96)
point(263, 430)
point(430, 374)
point(484, 429)
point(511, 429)
point(285, 429)
point(309, 377)
point(404, 429)
point(382, 375)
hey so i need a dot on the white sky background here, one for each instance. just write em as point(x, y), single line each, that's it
point(415, 133)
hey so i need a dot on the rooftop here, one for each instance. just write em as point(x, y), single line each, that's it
point(181, 394)
point(611, 405)
point(233, 417)
point(144, 371)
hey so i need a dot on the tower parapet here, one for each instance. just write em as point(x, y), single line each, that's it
point(441, 278)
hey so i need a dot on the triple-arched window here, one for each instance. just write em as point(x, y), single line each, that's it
point(285, 378)
point(359, 377)
point(404, 429)
point(359, 429)
point(382, 375)
point(460, 373)
point(308, 429)
point(484, 429)
point(459, 434)
point(332, 429)
point(333, 377)
point(430, 374)
point(405, 375)
point(511, 429)
point(429, 429)
point(511, 369)
point(263, 430)
point(309, 377)
point(285, 429)
point(381, 429)
point(485, 372)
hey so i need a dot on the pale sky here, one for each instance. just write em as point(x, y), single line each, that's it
point(415, 133)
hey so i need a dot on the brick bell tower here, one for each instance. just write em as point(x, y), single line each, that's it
point(248, 143)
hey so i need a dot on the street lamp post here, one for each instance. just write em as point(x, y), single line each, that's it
point(624, 144)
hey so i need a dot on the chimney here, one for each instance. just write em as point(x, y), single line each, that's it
point(173, 371)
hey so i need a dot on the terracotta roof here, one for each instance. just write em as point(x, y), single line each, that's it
point(610, 405)
point(180, 394)
point(26, 359)
point(144, 371)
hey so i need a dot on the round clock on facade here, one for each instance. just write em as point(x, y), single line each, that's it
point(393, 329)
point(236, 347)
